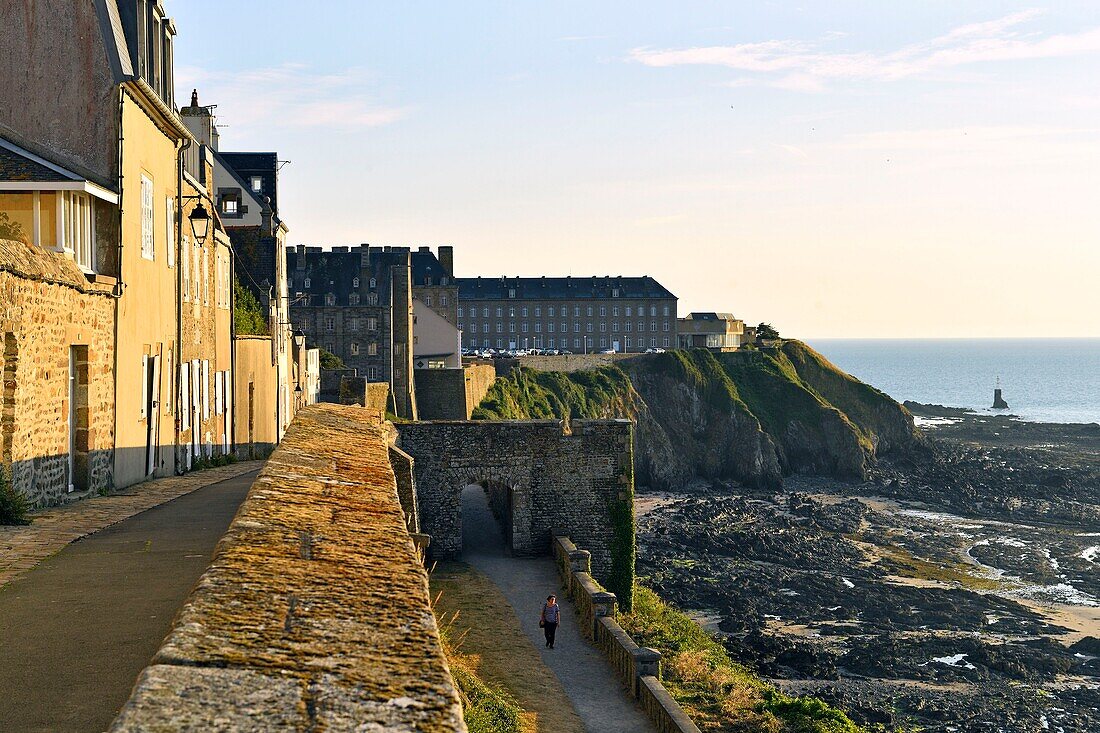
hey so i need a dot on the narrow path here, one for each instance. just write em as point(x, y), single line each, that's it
point(600, 698)
point(76, 630)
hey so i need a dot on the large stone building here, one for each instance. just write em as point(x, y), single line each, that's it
point(357, 303)
point(578, 314)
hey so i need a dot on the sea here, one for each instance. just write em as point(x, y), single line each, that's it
point(1043, 380)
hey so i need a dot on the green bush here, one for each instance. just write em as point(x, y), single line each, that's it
point(13, 505)
point(248, 316)
point(330, 360)
point(486, 710)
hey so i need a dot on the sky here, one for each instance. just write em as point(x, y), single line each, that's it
point(842, 169)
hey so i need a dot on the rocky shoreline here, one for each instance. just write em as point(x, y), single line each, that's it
point(956, 590)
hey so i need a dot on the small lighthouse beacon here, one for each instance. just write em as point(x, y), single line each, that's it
point(998, 401)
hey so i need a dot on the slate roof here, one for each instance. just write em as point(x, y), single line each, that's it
point(425, 263)
point(710, 316)
point(264, 165)
point(333, 272)
point(560, 288)
point(16, 166)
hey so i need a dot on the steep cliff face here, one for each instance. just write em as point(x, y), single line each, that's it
point(750, 416)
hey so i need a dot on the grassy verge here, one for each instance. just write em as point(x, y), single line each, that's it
point(720, 695)
point(505, 684)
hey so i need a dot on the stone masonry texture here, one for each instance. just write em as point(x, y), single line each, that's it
point(539, 476)
point(48, 308)
point(314, 614)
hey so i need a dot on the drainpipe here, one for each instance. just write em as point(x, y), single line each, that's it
point(120, 285)
point(233, 346)
point(177, 361)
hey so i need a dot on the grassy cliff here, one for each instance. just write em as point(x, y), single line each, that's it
point(750, 416)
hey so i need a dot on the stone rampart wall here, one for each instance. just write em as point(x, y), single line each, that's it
point(479, 378)
point(452, 394)
point(441, 394)
point(639, 667)
point(314, 614)
point(580, 481)
point(49, 311)
point(564, 363)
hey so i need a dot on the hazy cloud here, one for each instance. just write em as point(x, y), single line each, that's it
point(805, 66)
point(290, 95)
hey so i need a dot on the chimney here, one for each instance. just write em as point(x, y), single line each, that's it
point(265, 217)
point(447, 259)
point(364, 256)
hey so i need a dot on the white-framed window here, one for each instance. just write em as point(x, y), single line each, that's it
point(185, 396)
point(330, 324)
point(443, 301)
point(147, 247)
point(353, 299)
point(330, 299)
point(550, 327)
point(229, 206)
point(196, 272)
point(372, 324)
point(219, 393)
point(355, 349)
point(524, 328)
point(170, 230)
point(144, 386)
point(461, 311)
point(576, 326)
point(428, 300)
point(185, 265)
point(306, 284)
point(511, 292)
point(76, 227)
point(372, 373)
point(257, 184)
point(355, 282)
point(373, 283)
point(372, 349)
point(485, 311)
point(205, 390)
point(205, 277)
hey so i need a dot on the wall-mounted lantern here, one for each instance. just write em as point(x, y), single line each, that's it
point(200, 223)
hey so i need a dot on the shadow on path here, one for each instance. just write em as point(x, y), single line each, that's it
point(77, 629)
point(600, 698)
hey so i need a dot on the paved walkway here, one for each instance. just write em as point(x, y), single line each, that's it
point(76, 630)
point(600, 698)
point(21, 548)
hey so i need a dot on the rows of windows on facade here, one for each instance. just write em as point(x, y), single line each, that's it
point(622, 314)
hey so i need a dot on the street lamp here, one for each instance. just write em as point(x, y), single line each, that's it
point(200, 223)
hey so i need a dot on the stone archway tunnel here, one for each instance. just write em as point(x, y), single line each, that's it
point(578, 481)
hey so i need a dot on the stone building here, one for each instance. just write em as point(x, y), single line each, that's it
point(357, 303)
point(244, 188)
point(709, 330)
point(57, 386)
point(103, 172)
point(577, 314)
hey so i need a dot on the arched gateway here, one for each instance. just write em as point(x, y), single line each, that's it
point(540, 478)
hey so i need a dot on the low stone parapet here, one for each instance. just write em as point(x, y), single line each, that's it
point(639, 667)
point(314, 614)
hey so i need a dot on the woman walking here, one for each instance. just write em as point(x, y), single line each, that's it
point(551, 616)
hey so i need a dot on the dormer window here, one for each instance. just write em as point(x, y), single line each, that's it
point(372, 299)
point(443, 280)
point(614, 292)
point(373, 283)
point(257, 184)
point(355, 282)
point(428, 281)
point(229, 206)
point(330, 299)
point(307, 283)
point(511, 292)
point(353, 299)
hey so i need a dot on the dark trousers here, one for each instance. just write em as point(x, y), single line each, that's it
point(548, 630)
